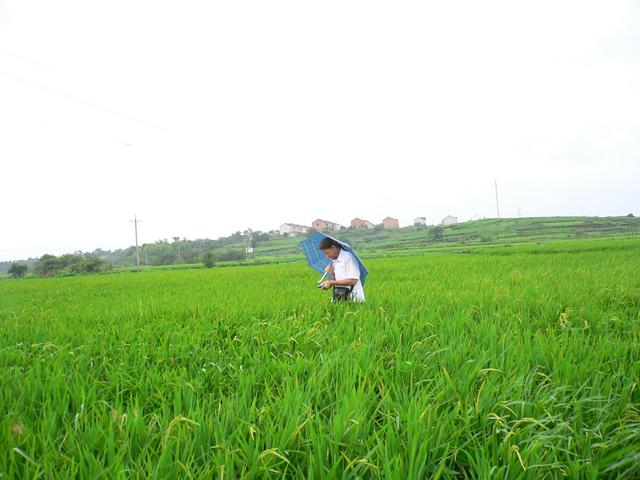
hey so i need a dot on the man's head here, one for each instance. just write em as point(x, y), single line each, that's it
point(330, 248)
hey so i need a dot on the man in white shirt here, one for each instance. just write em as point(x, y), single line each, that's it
point(343, 267)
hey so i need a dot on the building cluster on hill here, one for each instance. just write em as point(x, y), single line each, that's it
point(295, 230)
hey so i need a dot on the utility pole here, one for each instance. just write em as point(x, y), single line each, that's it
point(497, 206)
point(135, 223)
point(176, 240)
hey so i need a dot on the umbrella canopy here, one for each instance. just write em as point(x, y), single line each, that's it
point(317, 260)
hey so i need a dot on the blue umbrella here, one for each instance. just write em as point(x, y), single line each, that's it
point(317, 260)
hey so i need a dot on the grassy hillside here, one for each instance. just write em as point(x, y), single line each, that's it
point(490, 231)
point(468, 236)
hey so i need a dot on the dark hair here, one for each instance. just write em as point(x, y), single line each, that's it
point(327, 243)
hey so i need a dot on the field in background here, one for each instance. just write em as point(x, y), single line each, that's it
point(496, 362)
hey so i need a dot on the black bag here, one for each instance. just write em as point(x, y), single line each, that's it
point(341, 294)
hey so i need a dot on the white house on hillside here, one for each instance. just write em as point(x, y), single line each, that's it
point(449, 220)
point(420, 221)
point(293, 230)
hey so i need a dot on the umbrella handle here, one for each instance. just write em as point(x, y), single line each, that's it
point(323, 277)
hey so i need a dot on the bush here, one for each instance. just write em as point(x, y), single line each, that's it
point(437, 233)
point(65, 265)
point(17, 270)
point(230, 255)
point(212, 257)
point(209, 259)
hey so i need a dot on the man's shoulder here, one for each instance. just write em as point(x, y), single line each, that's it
point(345, 255)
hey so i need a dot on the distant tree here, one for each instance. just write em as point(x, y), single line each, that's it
point(167, 258)
point(47, 265)
point(91, 264)
point(50, 265)
point(209, 259)
point(17, 270)
point(230, 255)
point(436, 233)
point(259, 236)
point(630, 215)
point(248, 238)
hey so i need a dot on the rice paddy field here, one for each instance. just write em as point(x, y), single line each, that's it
point(509, 362)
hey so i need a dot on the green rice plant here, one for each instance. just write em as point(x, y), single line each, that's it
point(516, 363)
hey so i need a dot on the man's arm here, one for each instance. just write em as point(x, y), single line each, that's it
point(345, 282)
point(330, 270)
point(354, 275)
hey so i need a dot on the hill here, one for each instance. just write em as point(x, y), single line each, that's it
point(379, 241)
point(273, 248)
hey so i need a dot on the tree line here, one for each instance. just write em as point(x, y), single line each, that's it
point(161, 252)
point(182, 251)
point(64, 265)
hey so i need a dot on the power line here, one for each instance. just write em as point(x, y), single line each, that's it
point(71, 98)
point(22, 58)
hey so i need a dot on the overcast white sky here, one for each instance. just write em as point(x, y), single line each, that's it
point(207, 117)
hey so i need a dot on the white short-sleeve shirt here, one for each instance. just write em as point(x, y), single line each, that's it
point(346, 266)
